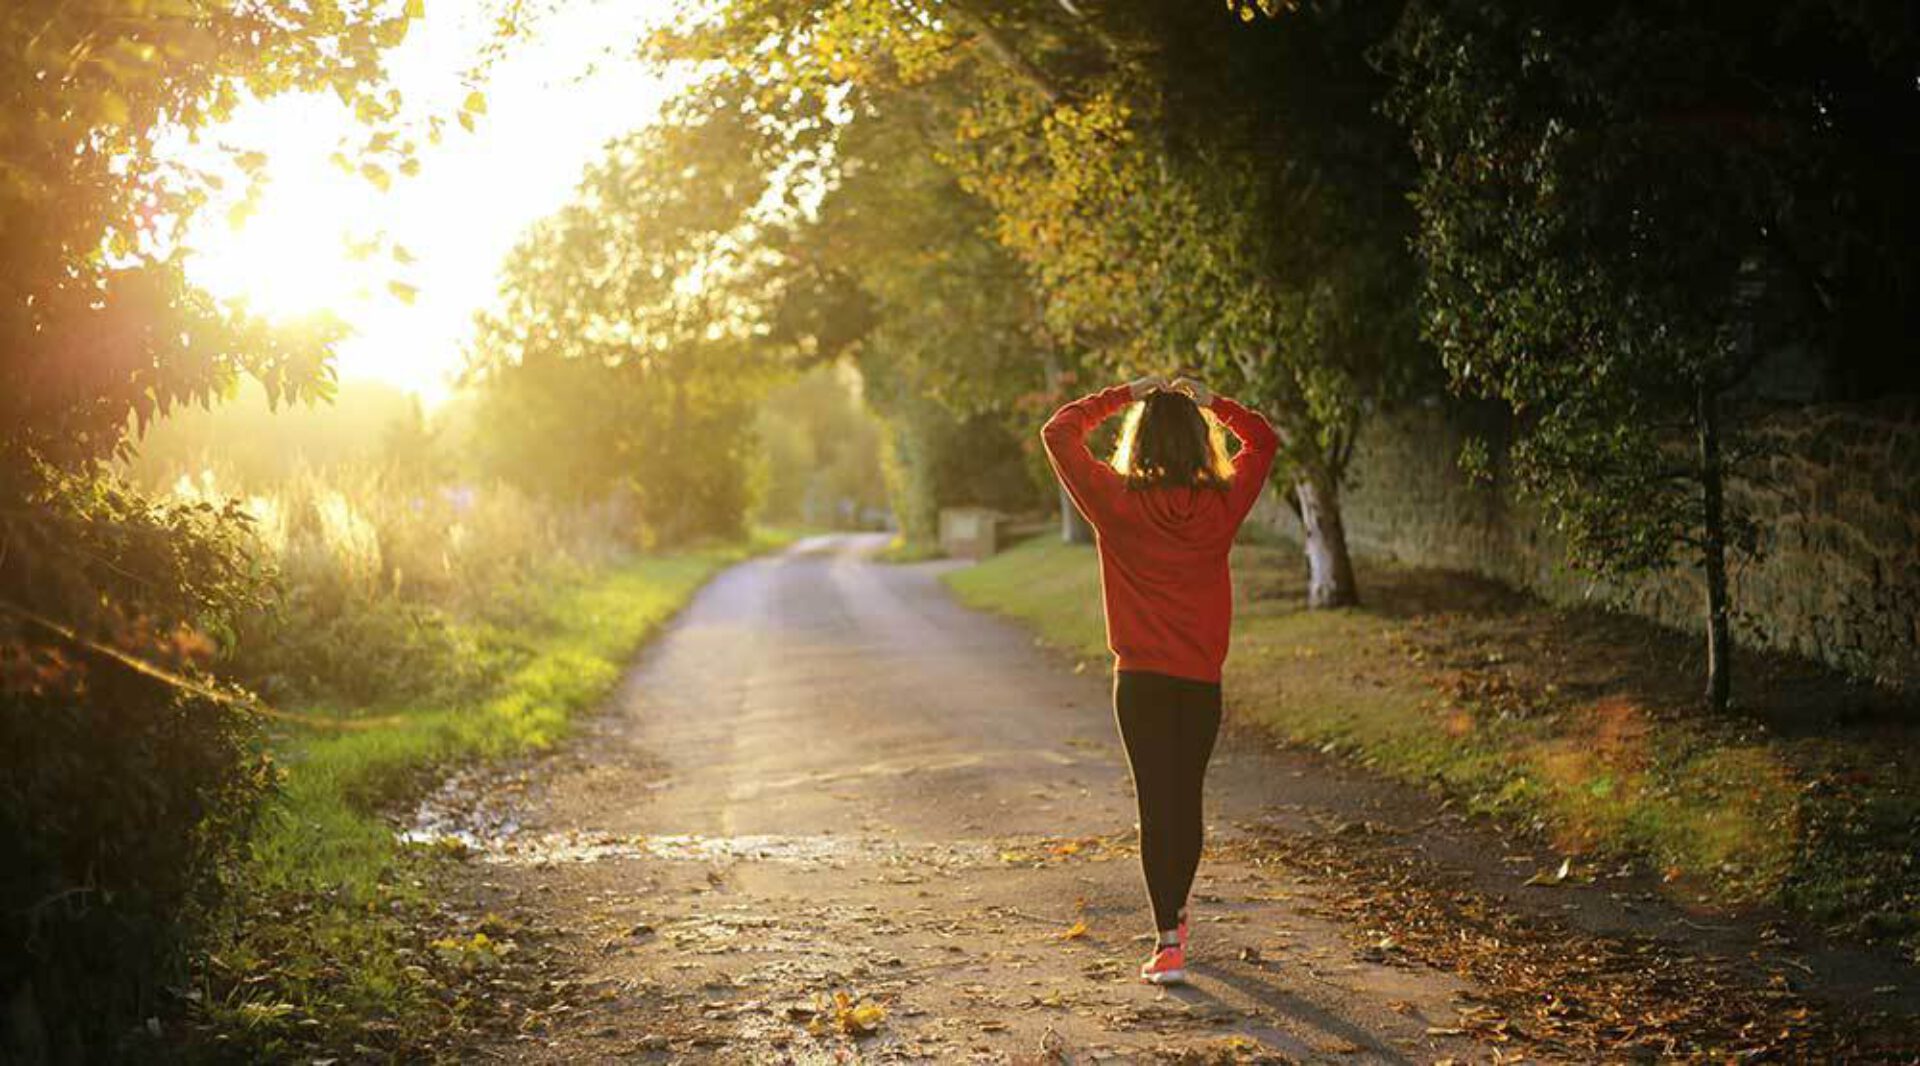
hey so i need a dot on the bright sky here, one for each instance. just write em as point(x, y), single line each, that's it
point(554, 99)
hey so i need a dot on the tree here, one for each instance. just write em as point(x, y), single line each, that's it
point(1624, 209)
point(948, 339)
point(1220, 192)
point(891, 266)
point(823, 451)
point(1166, 209)
point(632, 337)
point(122, 795)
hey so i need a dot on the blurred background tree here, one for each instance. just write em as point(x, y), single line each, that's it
point(631, 341)
point(1180, 190)
point(822, 453)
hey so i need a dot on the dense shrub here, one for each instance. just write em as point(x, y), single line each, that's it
point(937, 459)
point(119, 813)
point(126, 781)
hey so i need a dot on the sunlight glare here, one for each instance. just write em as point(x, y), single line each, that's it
point(291, 257)
point(558, 95)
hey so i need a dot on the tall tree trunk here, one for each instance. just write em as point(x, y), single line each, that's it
point(1329, 568)
point(1073, 525)
point(1714, 552)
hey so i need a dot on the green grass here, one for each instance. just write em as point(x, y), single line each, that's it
point(1471, 692)
point(902, 550)
point(324, 930)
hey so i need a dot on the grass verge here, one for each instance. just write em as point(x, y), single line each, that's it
point(902, 550)
point(1579, 724)
point(330, 937)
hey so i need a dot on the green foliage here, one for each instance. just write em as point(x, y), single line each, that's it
point(101, 326)
point(630, 343)
point(121, 793)
point(822, 451)
point(1173, 188)
point(951, 351)
point(122, 796)
point(120, 813)
point(1624, 209)
point(1158, 246)
point(380, 574)
point(937, 459)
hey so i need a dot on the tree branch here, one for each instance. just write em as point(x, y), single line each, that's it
point(996, 46)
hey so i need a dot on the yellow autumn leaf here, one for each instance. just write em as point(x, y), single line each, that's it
point(857, 1019)
point(1075, 931)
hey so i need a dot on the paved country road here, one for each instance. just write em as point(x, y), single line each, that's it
point(828, 777)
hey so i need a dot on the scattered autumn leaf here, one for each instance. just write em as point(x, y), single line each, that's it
point(1550, 880)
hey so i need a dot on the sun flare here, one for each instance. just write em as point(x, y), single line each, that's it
point(292, 255)
point(320, 236)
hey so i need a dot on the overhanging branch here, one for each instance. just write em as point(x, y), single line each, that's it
point(1004, 53)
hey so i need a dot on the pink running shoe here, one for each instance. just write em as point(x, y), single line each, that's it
point(1167, 967)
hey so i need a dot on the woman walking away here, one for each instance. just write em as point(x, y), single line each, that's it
point(1164, 515)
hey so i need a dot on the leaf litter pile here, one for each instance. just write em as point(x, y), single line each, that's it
point(1558, 991)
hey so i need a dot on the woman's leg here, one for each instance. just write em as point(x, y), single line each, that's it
point(1196, 727)
point(1168, 736)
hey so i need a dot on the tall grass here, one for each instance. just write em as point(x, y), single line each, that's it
point(391, 587)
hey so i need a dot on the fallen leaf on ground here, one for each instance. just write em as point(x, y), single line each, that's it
point(860, 1018)
point(1549, 880)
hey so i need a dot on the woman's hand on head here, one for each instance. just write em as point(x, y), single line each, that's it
point(1193, 387)
point(1140, 387)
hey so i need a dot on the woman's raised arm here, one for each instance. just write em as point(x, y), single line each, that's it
point(1258, 446)
point(1092, 483)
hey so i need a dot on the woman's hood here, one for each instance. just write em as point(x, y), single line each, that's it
point(1183, 514)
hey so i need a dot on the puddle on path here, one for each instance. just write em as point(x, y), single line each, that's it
point(476, 814)
point(574, 847)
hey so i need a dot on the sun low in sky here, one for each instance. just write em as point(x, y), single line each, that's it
point(560, 92)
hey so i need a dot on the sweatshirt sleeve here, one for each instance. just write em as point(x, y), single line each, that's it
point(1094, 486)
point(1258, 446)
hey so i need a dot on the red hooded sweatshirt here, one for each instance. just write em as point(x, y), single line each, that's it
point(1163, 551)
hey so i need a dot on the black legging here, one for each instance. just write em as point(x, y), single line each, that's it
point(1168, 725)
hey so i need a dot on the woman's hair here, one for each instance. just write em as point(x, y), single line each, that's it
point(1167, 440)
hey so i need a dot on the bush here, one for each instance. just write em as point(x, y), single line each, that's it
point(381, 575)
point(936, 459)
point(124, 787)
point(122, 804)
